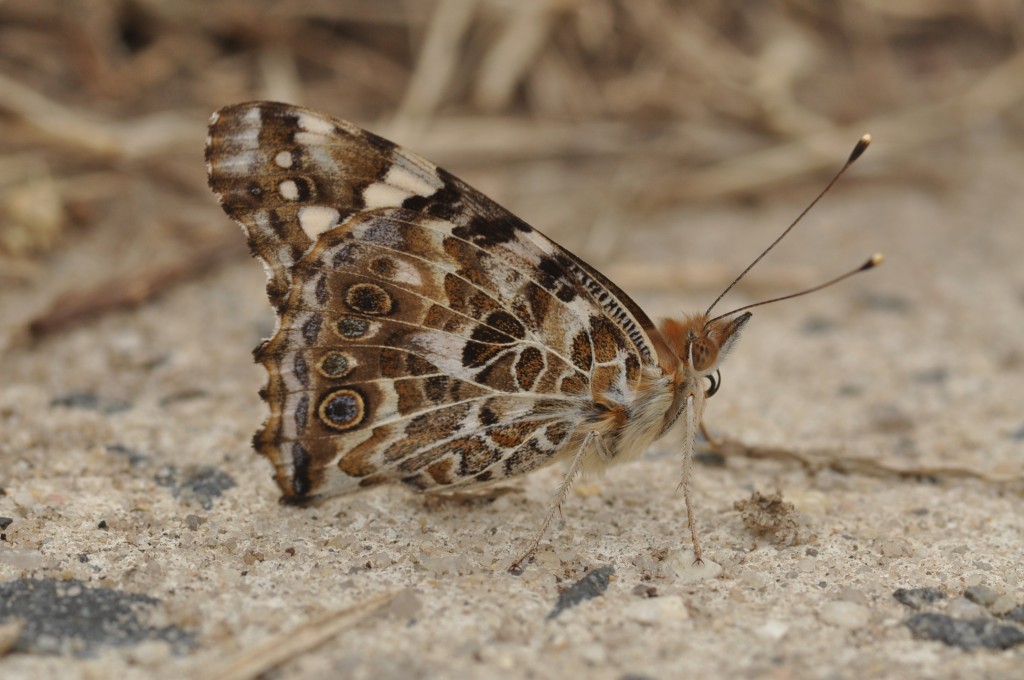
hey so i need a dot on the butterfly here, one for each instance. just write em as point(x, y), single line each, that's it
point(429, 337)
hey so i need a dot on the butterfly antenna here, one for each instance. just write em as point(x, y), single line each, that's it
point(862, 145)
point(872, 262)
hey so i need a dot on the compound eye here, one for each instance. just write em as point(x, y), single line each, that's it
point(703, 354)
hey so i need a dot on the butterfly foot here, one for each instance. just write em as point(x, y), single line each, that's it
point(516, 568)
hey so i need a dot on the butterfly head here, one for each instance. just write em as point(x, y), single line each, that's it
point(701, 344)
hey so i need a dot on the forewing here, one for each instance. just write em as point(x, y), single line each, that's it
point(426, 335)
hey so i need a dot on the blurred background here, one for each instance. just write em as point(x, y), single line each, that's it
point(596, 120)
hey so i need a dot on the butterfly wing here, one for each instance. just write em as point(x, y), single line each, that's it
point(425, 334)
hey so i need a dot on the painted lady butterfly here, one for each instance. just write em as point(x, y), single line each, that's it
point(428, 336)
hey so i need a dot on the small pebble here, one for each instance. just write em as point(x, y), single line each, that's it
point(682, 565)
point(772, 629)
point(593, 654)
point(853, 595)
point(845, 614)
point(962, 608)
point(22, 498)
point(982, 595)
point(446, 565)
point(406, 605)
point(151, 653)
point(643, 590)
point(378, 560)
point(21, 559)
point(10, 633)
point(1002, 605)
point(657, 610)
point(896, 547)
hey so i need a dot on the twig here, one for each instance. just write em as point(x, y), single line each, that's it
point(858, 465)
point(75, 308)
point(996, 92)
point(438, 58)
point(523, 38)
point(130, 139)
point(258, 660)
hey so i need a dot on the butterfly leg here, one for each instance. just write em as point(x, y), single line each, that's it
point(693, 423)
point(556, 503)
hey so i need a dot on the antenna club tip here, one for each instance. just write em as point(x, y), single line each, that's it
point(873, 261)
point(860, 148)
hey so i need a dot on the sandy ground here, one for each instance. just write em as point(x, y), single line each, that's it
point(145, 538)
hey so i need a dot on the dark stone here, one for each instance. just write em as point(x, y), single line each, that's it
point(590, 586)
point(965, 633)
point(69, 617)
point(89, 401)
point(710, 458)
point(187, 394)
point(1016, 614)
point(915, 598)
point(201, 483)
point(134, 457)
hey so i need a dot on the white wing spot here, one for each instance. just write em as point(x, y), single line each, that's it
point(381, 195)
point(289, 190)
point(312, 123)
point(396, 186)
point(410, 182)
point(245, 137)
point(253, 118)
point(283, 159)
point(316, 219)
